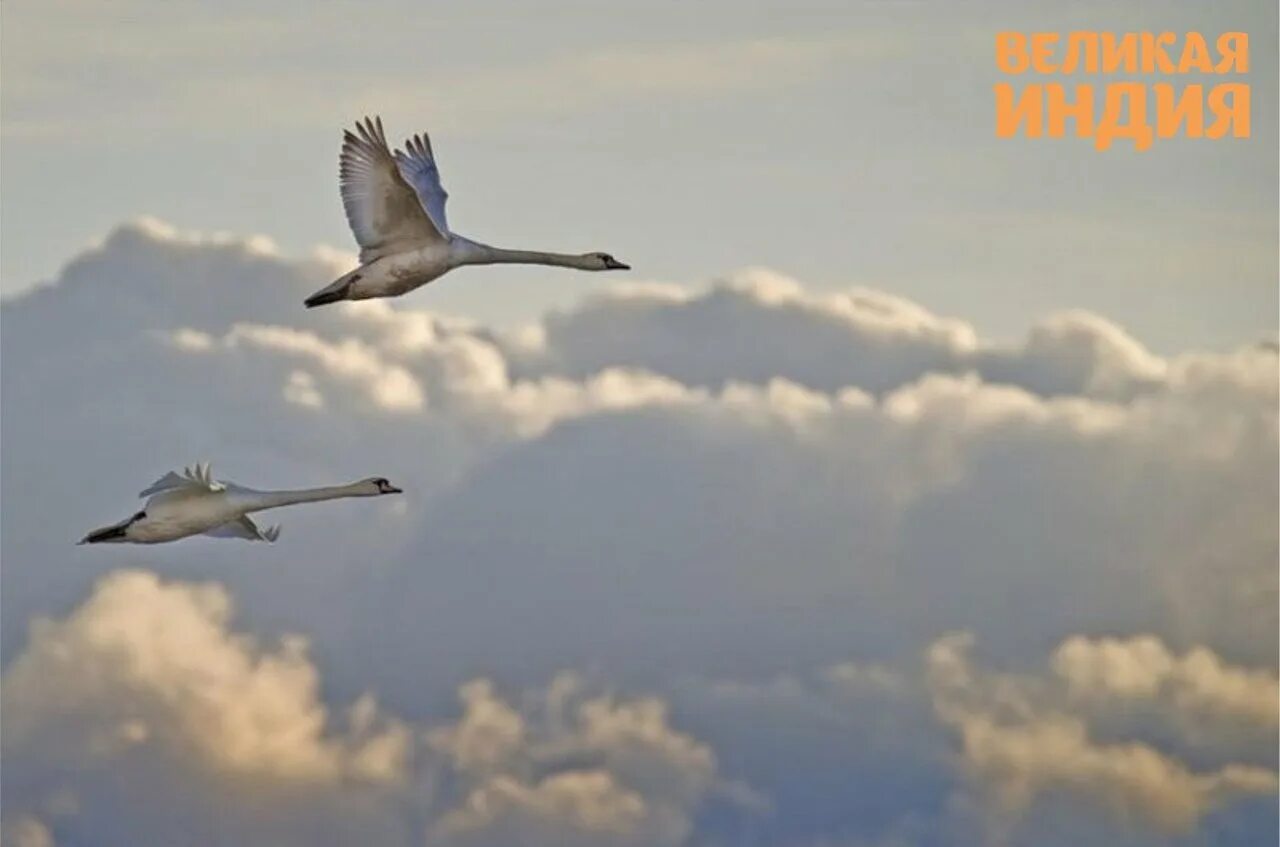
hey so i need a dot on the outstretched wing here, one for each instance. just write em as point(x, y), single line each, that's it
point(418, 167)
point(197, 477)
point(244, 528)
point(383, 210)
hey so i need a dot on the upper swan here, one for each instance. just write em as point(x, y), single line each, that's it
point(395, 206)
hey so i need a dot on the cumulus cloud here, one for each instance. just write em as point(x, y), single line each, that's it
point(27, 832)
point(144, 698)
point(389, 386)
point(1019, 743)
point(594, 771)
point(143, 660)
point(1198, 683)
point(1132, 781)
point(742, 482)
point(759, 325)
point(145, 691)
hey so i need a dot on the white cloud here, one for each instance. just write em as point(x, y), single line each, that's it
point(1024, 759)
point(1198, 682)
point(596, 771)
point(391, 387)
point(739, 482)
point(145, 689)
point(145, 686)
point(766, 325)
point(506, 811)
point(1131, 781)
point(301, 389)
point(1019, 742)
point(27, 832)
point(144, 663)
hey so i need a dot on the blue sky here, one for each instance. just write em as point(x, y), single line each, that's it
point(843, 143)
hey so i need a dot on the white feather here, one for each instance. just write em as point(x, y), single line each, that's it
point(385, 213)
point(244, 527)
point(417, 165)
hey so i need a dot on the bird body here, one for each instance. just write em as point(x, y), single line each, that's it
point(193, 503)
point(395, 205)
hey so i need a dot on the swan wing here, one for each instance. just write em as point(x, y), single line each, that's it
point(168, 482)
point(244, 528)
point(417, 165)
point(197, 477)
point(383, 210)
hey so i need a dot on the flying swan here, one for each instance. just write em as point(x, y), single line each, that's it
point(395, 205)
point(194, 503)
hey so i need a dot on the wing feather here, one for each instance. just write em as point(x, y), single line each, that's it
point(383, 210)
point(198, 477)
point(245, 528)
point(418, 166)
point(169, 481)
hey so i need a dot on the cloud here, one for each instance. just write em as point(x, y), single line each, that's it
point(759, 505)
point(1019, 744)
point(143, 659)
point(766, 326)
point(985, 756)
point(1130, 781)
point(27, 832)
point(144, 691)
point(389, 386)
point(142, 710)
point(142, 699)
point(597, 771)
point(1198, 683)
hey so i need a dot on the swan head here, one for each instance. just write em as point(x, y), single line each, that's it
point(374, 486)
point(602, 262)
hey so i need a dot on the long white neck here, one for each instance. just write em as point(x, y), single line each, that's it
point(260, 500)
point(475, 253)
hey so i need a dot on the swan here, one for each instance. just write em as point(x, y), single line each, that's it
point(395, 206)
point(194, 503)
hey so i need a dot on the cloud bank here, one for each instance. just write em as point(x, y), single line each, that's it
point(674, 566)
point(144, 699)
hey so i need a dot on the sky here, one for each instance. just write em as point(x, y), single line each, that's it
point(841, 143)
point(791, 537)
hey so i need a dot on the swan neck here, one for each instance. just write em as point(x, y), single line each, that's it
point(483, 254)
point(273, 499)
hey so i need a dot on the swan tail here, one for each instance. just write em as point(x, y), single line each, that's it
point(116, 533)
point(335, 291)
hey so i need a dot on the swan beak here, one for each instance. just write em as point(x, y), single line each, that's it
point(391, 489)
point(615, 265)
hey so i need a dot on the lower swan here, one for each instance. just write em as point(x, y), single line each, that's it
point(194, 503)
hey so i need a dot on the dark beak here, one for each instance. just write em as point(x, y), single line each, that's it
point(615, 265)
point(391, 489)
